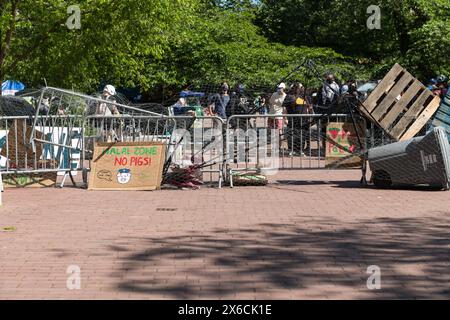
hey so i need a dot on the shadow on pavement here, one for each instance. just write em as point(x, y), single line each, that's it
point(413, 254)
point(352, 185)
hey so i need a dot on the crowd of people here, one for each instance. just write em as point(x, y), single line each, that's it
point(295, 99)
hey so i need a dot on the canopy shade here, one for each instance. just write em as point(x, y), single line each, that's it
point(10, 87)
point(189, 94)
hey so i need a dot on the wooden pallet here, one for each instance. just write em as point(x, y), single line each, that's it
point(401, 105)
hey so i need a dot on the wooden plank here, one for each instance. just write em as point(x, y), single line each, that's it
point(426, 115)
point(364, 112)
point(399, 87)
point(410, 115)
point(400, 105)
point(384, 86)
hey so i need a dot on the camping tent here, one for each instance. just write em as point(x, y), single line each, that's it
point(15, 106)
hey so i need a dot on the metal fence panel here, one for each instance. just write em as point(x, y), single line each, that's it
point(57, 144)
point(301, 143)
point(244, 143)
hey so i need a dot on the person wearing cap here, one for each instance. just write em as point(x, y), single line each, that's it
point(104, 109)
point(107, 110)
point(109, 90)
point(276, 108)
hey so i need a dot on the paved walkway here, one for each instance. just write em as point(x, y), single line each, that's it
point(308, 235)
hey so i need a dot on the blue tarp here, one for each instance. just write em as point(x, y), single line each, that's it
point(189, 94)
point(10, 87)
point(442, 116)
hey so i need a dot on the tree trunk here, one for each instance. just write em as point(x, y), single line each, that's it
point(4, 47)
point(1, 79)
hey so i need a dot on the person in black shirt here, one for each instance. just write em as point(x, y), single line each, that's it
point(218, 103)
point(296, 135)
point(237, 106)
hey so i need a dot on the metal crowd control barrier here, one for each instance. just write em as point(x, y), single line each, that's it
point(253, 143)
point(65, 103)
point(57, 145)
point(65, 144)
point(200, 141)
point(190, 141)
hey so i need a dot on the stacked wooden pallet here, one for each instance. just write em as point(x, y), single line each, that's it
point(401, 105)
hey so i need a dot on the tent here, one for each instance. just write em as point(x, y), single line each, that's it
point(10, 87)
point(191, 94)
point(11, 106)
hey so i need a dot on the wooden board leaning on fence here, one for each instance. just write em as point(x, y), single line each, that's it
point(401, 105)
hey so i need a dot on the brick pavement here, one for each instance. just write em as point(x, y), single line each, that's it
point(309, 235)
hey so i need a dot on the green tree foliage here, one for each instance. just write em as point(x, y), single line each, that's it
point(116, 42)
point(413, 32)
point(226, 45)
point(172, 43)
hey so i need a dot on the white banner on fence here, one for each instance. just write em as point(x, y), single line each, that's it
point(62, 155)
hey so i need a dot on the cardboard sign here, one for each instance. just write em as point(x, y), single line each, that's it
point(127, 166)
point(343, 134)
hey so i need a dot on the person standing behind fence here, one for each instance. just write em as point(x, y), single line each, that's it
point(261, 104)
point(107, 110)
point(218, 103)
point(295, 104)
point(330, 91)
point(236, 107)
point(238, 102)
point(442, 86)
point(104, 109)
point(276, 108)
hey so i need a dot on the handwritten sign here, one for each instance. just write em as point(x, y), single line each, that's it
point(343, 134)
point(127, 166)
